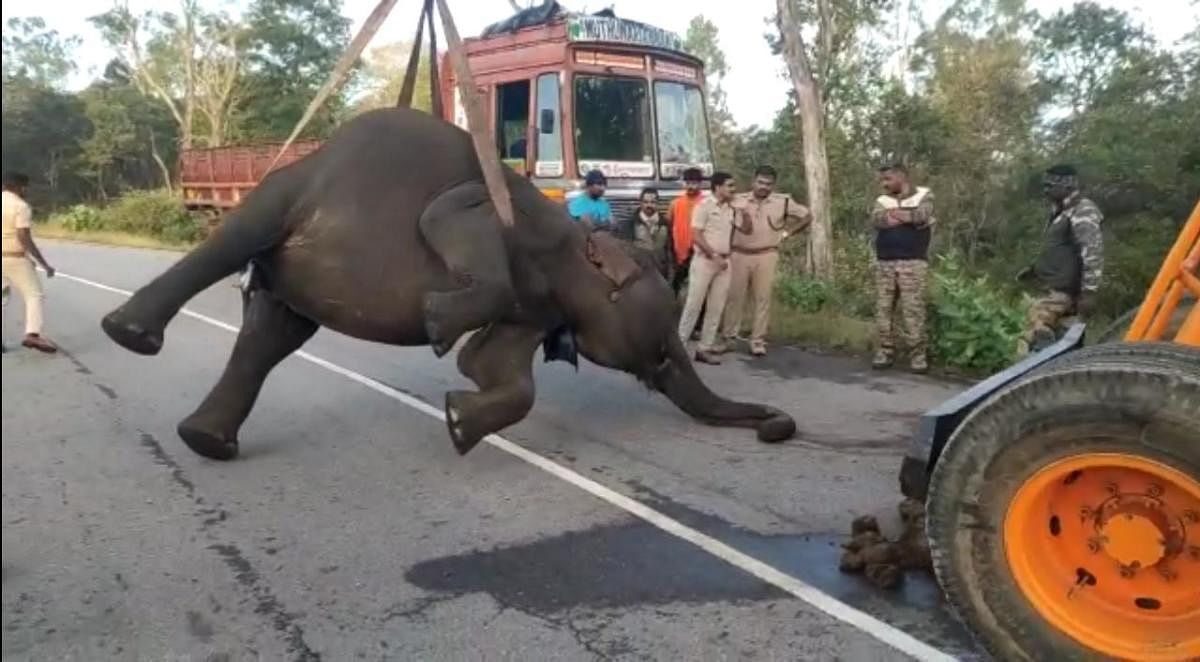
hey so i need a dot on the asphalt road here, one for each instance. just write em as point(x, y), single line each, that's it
point(350, 529)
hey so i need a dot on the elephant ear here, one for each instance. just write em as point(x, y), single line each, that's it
point(607, 254)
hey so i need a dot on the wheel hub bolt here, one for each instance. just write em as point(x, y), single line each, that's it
point(1167, 573)
point(1155, 490)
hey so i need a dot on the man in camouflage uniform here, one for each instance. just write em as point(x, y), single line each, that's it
point(1070, 264)
point(903, 221)
point(765, 219)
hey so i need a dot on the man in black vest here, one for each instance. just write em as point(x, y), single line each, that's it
point(903, 221)
point(1070, 264)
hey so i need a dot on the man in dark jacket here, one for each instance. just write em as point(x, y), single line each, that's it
point(1070, 264)
point(903, 220)
point(647, 229)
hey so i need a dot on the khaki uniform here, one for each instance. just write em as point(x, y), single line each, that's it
point(19, 272)
point(755, 256)
point(708, 283)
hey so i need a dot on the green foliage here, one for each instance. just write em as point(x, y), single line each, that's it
point(1128, 267)
point(292, 46)
point(703, 41)
point(80, 218)
point(1079, 49)
point(36, 54)
point(154, 214)
point(805, 293)
point(382, 76)
point(973, 327)
point(42, 130)
point(854, 275)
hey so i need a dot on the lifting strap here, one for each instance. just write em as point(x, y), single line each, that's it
point(414, 57)
point(489, 161)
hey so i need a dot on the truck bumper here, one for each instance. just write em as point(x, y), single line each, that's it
point(938, 424)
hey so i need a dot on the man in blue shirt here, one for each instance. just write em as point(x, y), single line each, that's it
point(592, 206)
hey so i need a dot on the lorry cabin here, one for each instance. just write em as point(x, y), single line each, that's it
point(567, 93)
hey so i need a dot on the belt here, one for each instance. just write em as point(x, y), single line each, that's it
point(14, 254)
point(754, 251)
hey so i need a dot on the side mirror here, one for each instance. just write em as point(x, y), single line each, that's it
point(546, 121)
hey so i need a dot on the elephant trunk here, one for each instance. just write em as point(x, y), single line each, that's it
point(677, 379)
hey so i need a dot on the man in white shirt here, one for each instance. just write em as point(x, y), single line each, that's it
point(19, 251)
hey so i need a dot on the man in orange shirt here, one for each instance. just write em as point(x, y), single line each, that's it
point(681, 225)
point(680, 214)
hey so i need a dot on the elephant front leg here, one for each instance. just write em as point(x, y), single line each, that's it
point(499, 360)
point(464, 231)
point(270, 333)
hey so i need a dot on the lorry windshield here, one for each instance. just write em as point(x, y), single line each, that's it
point(682, 129)
point(612, 126)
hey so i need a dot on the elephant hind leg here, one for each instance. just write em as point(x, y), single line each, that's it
point(463, 229)
point(270, 332)
point(499, 360)
point(254, 228)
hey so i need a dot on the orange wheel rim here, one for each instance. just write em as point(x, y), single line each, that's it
point(1106, 547)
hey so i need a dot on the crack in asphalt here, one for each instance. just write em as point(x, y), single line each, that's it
point(267, 603)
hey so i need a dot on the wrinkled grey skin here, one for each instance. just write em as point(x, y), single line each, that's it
point(387, 234)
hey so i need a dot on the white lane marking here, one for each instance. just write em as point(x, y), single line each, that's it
point(884, 632)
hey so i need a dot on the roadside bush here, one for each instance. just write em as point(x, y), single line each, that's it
point(854, 276)
point(80, 218)
point(973, 325)
point(850, 291)
point(1133, 254)
point(155, 214)
point(805, 293)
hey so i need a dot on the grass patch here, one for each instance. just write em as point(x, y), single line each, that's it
point(826, 329)
point(55, 230)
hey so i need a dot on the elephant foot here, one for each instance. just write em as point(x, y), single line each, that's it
point(776, 428)
point(463, 432)
point(203, 441)
point(132, 335)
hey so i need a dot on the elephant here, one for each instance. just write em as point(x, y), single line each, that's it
point(387, 233)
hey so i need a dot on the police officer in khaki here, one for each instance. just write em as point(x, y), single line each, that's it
point(766, 219)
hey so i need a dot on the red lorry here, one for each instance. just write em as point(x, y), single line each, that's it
point(217, 178)
point(565, 93)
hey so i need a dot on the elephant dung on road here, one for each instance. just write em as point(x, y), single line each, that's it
point(386, 233)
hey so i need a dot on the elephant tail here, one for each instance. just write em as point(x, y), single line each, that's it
point(257, 226)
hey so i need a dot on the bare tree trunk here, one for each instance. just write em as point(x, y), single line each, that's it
point(162, 165)
point(100, 185)
point(816, 163)
point(190, 9)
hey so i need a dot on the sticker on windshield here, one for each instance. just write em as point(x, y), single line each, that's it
point(675, 170)
point(548, 169)
point(618, 168)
